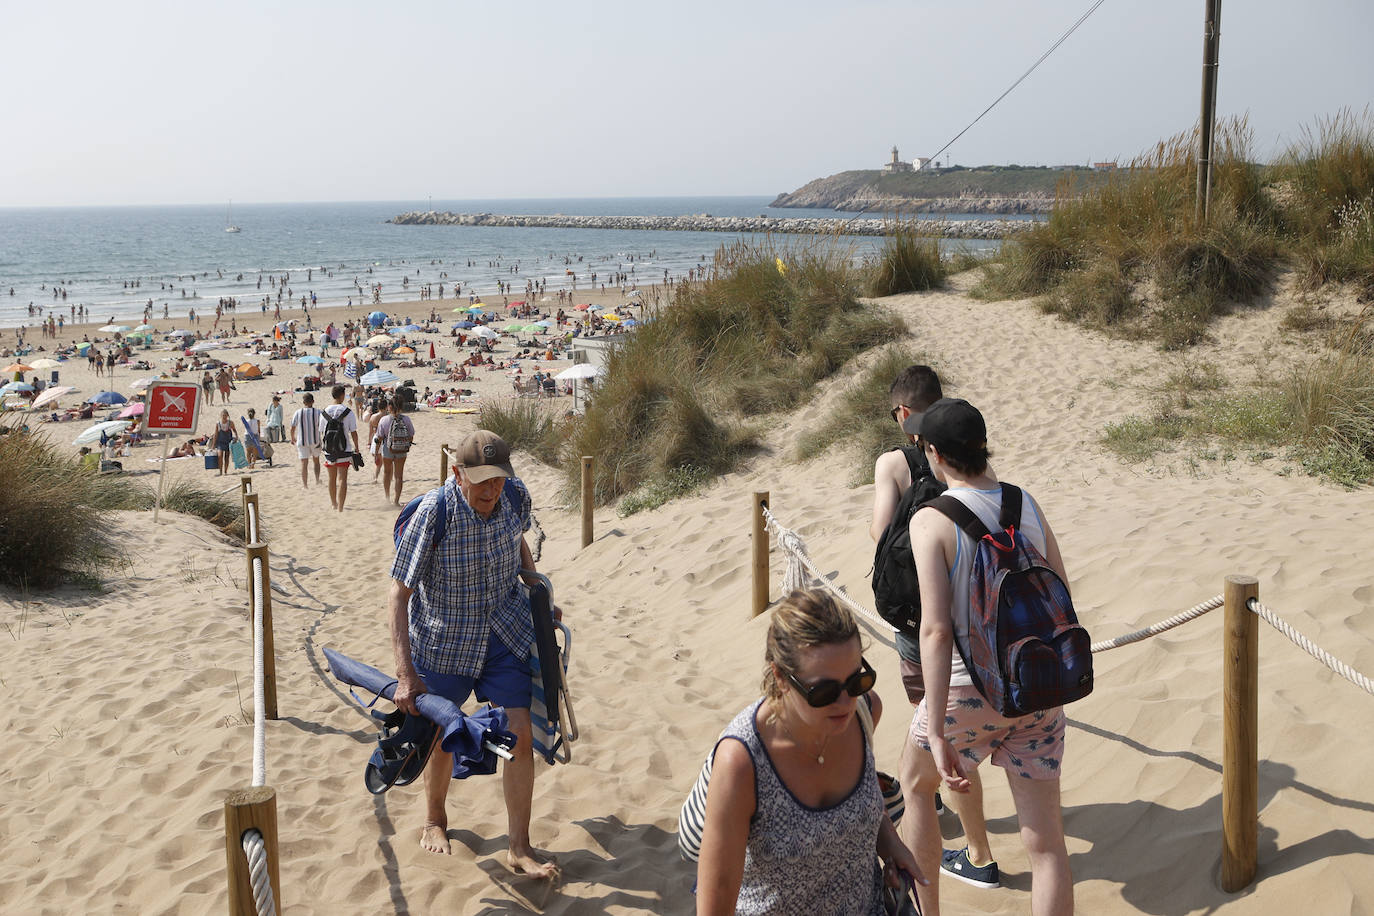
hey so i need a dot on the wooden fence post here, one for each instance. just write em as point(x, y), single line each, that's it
point(443, 463)
point(245, 809)
point(269, 661)
point(588, 497)
point(1240, 736)
point(245, 485)
point(759, 536)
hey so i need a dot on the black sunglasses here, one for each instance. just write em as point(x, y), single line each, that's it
point(895, 418)
point(823, 693)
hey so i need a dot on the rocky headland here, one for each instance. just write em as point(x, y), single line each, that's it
point(986, 189)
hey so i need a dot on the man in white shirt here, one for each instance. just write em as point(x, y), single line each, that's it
point(305, 436)
point(338, 457)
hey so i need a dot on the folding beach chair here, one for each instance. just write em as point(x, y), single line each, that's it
point(551, 715)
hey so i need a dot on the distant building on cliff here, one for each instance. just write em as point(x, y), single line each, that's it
point(897, 165)
point(1104, 166)
point(920, 162)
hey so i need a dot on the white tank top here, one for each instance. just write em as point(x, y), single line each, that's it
point(987, 505)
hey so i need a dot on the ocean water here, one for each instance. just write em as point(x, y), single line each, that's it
point(114, 260)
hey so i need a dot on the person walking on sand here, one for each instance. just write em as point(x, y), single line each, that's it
point(224, 435)
point(964, 727)
point(305, 436)
point(338, 427)
point(912, 392)
point(460, 621)
point(225, 383)
point(395, 435)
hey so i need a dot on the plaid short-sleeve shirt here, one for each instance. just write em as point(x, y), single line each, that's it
point(467, 587)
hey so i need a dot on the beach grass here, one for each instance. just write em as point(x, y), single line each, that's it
point(52, 513)
point(754, 336)
point(224, 511)
point(909, 262)
point(861, 418)
point(524, 424)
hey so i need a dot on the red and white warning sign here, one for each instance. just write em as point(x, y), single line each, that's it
point(173, 407)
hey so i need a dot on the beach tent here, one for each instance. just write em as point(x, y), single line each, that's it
point(108, 397)
point(379, 377)
point(248, 370)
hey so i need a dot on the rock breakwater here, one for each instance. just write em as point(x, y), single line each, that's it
point(945, 228)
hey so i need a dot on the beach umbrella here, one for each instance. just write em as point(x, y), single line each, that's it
point(546, 323)
point(358, 353)
point(379, 377)
point(116, 328)
point(406, 329)
point(485, 332)
point(46, 363)
point(205, 346)
point(309, 360)
point(181, 333)
point(143, 382)
point(376, 318)
point(144, 327)
point(404, 351)
point(583, 307)
point(15, 388)
point(108, 397)
point(431, 350)
point(615, 318)
point(133, 410)
point(475, 307)
point(52, 394)
point(514, 326)
point(464, 325)
point(18, 367)
point(107, 428)
point(379, 340)
point(581, 370)
point(461, 308)
point(83, 347)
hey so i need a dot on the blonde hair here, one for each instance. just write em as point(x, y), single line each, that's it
point(803, 619)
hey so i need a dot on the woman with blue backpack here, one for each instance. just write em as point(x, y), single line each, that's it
point(1001, 652)
point(395, 435)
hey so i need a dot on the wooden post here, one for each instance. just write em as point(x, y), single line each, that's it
point(1211, 44)
point(588, 498)
point(443, 463)
point(245, 485)
point(269, 661)
point(1240, 737)
point(759, 535)
point(246, 809)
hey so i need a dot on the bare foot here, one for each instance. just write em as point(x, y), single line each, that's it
point(434, 838)
point(535, 865)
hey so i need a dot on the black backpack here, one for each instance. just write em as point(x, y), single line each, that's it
point(896, 592)
point(335, 439)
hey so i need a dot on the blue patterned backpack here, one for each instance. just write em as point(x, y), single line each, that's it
point(1025, 649)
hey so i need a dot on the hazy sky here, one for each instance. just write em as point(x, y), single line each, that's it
point(177, 102)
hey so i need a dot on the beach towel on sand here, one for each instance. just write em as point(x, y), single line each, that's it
point(463, 736)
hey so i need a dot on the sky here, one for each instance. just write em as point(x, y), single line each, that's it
point(298, 100)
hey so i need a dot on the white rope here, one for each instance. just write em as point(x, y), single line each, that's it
point(252, 523)
point(797, 560)
point(259, 683)
point(1312, 649)
point(256, 851)
point(1193, 612)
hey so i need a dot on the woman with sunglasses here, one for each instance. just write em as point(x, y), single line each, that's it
point(794, 818)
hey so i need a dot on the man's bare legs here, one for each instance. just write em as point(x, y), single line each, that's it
point(920, 825)
point(517, 782)
point(969, 806)
point(1042, 831)
point(338, 485)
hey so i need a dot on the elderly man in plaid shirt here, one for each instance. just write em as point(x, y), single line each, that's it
point(460, 621)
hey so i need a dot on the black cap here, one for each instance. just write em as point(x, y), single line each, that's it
point(955, 426)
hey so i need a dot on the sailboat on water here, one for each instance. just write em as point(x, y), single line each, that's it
point(229, 219)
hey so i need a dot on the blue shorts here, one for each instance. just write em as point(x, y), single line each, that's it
point(504, 681)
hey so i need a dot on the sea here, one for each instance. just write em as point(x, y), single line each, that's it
point(114, 260)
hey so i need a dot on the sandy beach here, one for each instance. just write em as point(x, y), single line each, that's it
point(130, 709)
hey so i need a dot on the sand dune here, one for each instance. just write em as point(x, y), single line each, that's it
point(130, 710)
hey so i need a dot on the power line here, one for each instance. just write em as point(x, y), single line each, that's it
point(1062, 38)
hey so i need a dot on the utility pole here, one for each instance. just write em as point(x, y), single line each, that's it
point(1211, 42)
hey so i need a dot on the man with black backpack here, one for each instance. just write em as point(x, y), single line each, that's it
point(995, 609)
point(339, 436)
point(902, 483)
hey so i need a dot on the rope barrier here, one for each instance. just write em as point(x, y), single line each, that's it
point(1193, 612)
point(799, 565)
point(256, 851)
point(1311, 648)
point(252, 523)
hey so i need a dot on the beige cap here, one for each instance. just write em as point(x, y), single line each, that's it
point(482, 456)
